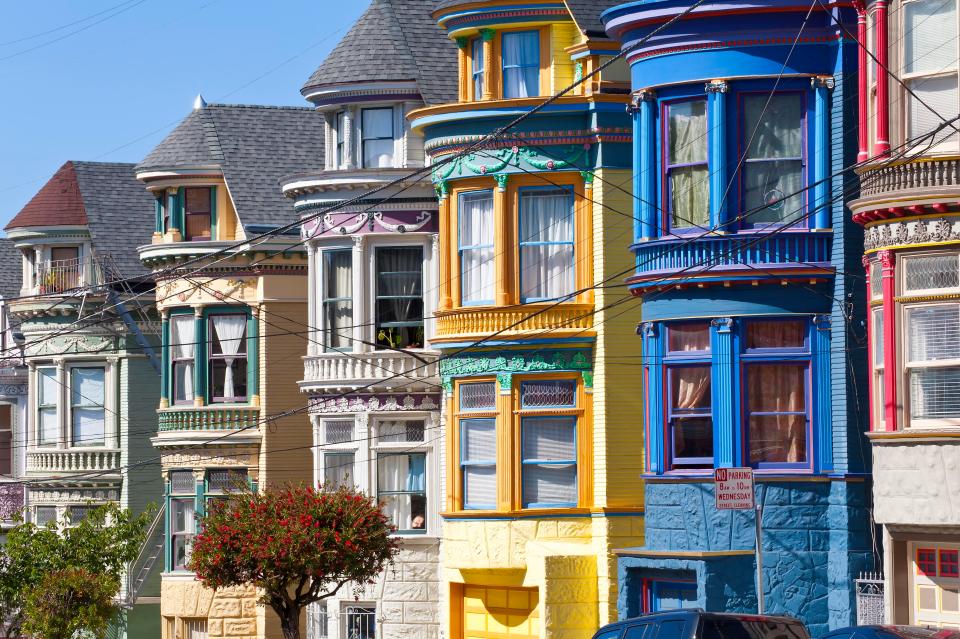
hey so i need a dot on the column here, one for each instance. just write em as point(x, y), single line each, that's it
point(871, 382)
point(359, 345)
point(584, 250)
point(726, 434)
point(717, 154)
point(164, 358)
point(349, 115)
point(888, 260)
point(173, 213)
point(653, 424)
point(111, 395)
point(312, 314)
point(882, 146)
point(488, 75)
point(821, 153)
point(645, 209)
point(463, 67)
point(200, 358)
point(445, 237)
point(507, 486)
point(63, 406)
point(503, 261)
point(253, 355)
point(863, 136)
point(822, 413)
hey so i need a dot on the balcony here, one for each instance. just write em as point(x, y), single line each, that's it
point(522, 319)
point(72, 460)
point(909, 176)
point(349, 370)
point(59, 276)
point(207, 418)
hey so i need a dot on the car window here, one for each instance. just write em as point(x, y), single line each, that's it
point(609, 634)
point(637, 632)
point(752, 629)
point(671, 629)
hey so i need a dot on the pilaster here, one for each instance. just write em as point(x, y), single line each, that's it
point(445, 235)
point(882, 145)
point(645, 159)
point(863, 136)
point(200, 358)
point(164, 358)
point(502, 259)
point(726, 435)
point(653, 355)
point(822, 394)
point(821, 152)
point(888, 261)
point(312, 315)
point(717, 153)
point(487, 35)
point(359, 299)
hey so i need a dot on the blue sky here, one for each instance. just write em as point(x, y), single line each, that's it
point(112, 84)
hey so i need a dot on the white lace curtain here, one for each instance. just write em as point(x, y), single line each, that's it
point(229, 330)
point(337, 299)
point(476, 242)
point(183, 344)
point(689, 187)
point(546, 244)
point(521, 64)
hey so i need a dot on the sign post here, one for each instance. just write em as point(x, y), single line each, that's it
point(733, 490)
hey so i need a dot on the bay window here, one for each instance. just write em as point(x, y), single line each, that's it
point(182, 518)
point(476, 67)
point(930, 66)
point(478, 444)
point(476, 249)
point(183, 344)
point(198, 212)
point(773, 164)
point(399, 297)
point(228, 358)
point(933, 361)
point(548, 443)
point(520, 52)
point(336, 299)
point(376, 137)
point(546, 221)
point(402, 489)
point(44, 515)
point(689, 410)
point(686, 169)
point(338, 453)
point(48, 423)
point(87, 412)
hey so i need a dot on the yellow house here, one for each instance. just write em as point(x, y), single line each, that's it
point(539, 362)
point(234, 316)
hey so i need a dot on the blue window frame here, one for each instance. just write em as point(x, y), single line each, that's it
point(475, 247)
point(520, 52)
point(660, 595)
point(478, 444)
point(685, 160)
point(546, 231)
point(549, 443)
point(476, 63)
point(689, 398)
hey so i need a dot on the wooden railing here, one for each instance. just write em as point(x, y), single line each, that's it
point(909, 175)
point(345, 369)
point(523, 318)
point(72, 460)
point(208, 418)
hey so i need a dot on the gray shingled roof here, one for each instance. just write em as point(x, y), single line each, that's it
point(120, 212)
point(254, 146)
point(586, 13)
point(394, 40)
point(11, 269)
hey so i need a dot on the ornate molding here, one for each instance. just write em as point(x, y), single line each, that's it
point(573, 137)
point(922, 231)
point(722, 324)
point(513, 362)
point(716, 86)
point(12, 390)
point(376, 403)
point(887, 259)
point(423, 218)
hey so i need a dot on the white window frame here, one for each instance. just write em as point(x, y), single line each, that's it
point(321, 323)
point(395, 133)
point(425, 447)
point(325, 448)
point(907, 366)
point(69, 404)
point(365, 274)
point(903, 265)
point(41, 403)
point(64, 404)
point(879, 391)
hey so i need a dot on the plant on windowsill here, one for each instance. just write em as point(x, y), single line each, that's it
point(394, 339)
point(48, 283)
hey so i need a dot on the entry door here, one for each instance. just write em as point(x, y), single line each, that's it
point(935, 585)
point(496, 613)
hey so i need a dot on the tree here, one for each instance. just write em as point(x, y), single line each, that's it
point(102, 544)
point(297, 545)
point(70, 601)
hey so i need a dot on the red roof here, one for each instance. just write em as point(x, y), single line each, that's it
point(58, 203)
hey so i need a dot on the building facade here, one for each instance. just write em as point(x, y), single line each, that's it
point(372, 381)
point(908, 205)
point(743, 122)
point(542, 456)
point(88, 337)
point(234, 316)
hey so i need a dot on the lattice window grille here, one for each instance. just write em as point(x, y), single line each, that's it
point(401, 431)
point(338, 431)
point(548, 393)
point(870, 605)
point(182, 482)
point(478, 396)
point(360, 622)
point(931, 272)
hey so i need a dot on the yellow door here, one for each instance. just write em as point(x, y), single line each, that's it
point(500, 613)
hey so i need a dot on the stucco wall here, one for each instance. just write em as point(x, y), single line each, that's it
point(913, 483)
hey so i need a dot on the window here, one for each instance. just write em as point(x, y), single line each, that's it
point(399, 297)
point(933, 361)
point(228, 358)
point(377, 137)
point(546, 244)
point(87, 413)
point(476, 61)
point(48, 425)
point(879, 391)
point(195, 629)
point(338, 461)
point(669, 595)
point(182, 517)
point(949, 567)
point(930, 68)
point(402, 489)
point(340, 133)
point(338, 469)
point(475, 213)
point(44, 515)
point(6, 439)
point(521, 64)
point(360, 622)
point(876, 280)
point(549, 444)
point(690, 412)
point(927, 562)
point(318, 620)
point(222, 482)
point(336, 299)
point(478, 444)
point(688, 188)
point(773, 164)
point(197, 211)
point(930, 272)
point(63, 271)
point(183, 345)
point(76, 514)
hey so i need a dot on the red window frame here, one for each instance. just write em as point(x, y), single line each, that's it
point(949, 562)
point(927, 557)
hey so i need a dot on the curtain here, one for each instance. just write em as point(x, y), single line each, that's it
point(774, 166)
point(521, 64)
point(338, 298)
point(476, 258)
point(338, 469)
point(546, 244)
point(549, 439)
point(928, 25)
point(689, 337)
point(229, 330)
point(397, 474)
point(400, 288)
point(776, 334)
point(779, 433)
point(87, 399)
point(377, 132)
point(691, 387)
point(183, 345)
point(689, 186)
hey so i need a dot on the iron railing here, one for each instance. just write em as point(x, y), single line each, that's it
point(870, 601)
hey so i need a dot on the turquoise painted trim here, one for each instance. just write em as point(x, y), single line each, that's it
point(723, 372)
point(173, 207)
point(717, 158)
point(181, 210)
point(821, 156)
point(213, 212)
point(167, 548)
point(203, 354)
point(158, 213)
point(165, 358)
point(822, 395)
point(645, 179)
point(200, 505)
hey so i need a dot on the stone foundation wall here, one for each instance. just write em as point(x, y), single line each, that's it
point(230, 612)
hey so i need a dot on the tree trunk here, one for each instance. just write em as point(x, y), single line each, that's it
point(290, 621)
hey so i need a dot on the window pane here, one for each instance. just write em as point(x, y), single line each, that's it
point(521, 64)
point(774, 166)
point(878, 337)
point(407, 512)
point(778, 133)
point(378, 153)
point(546, 241)
point(690, 388)
point(549, 438)
point(876, 280)
point(479, 396)
point(935, 393)
point(777, 413)
point(479, 440)
point(77, 514)
point(549, 484)
point(479, 445)
point(377, 123)
point(337, 431)
point(689, 337)
point(400, 431)
point(687, 144)
point(49, 426)
point(766, 184)
point(402, 472)
point(933, 333)
point(476, 55)
point(778, 439)
point(689, 196)
point(399, 302)
point(226, 480)
point(197, 214)
point(940, 94)
point(183, 382)
point(182, 482)
point(45, 515)
point(88, 427)
point(688, 132)
point(197, 200)
point(86, 386)
point(930, 28)
point(548, 392)
point(475, 213)
point(49, 387)
point(228, 381)
point(361, 622)
point(931, 272)
point(776, 334)
point(692, 440)
point(338, 469)
point(479, 487)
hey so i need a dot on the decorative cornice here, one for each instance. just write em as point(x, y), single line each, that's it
point(513, 362)
point(734, 44)
point(384, 402)
point(515, 156)
point(453, 144)
point(912, 232)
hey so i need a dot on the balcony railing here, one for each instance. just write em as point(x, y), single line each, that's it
point(352, 369)
point(208, 418)
point(57, 276)
point(923, 174)
point(519, 319)
point(73, 460)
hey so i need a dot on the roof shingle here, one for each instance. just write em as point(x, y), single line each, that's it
point(11, 269)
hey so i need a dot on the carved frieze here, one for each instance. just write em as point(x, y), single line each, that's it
point(376, 403)
point(908, 232)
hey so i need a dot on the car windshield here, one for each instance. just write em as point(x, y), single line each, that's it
point(751, 629)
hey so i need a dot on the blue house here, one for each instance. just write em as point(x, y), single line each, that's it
point(749, 272)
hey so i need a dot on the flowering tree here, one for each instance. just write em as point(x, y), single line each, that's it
point(297, 545)
point(70, 603)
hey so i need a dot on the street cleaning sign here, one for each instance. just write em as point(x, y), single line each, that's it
point(733, 488)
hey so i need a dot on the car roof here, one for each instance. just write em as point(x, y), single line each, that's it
point(908, 632)
point(695, 612)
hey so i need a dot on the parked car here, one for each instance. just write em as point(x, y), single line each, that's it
point(695, 623)
point(892, 632)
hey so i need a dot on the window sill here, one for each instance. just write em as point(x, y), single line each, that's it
point(417, 540)
point(759, 474)
point(526, 513)
point(179, 575)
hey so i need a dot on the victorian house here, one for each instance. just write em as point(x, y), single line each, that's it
point(234, 317)
point(542, 450)
point(909, 204)
point(82, 324)
point(370, 376)
point(13, 394)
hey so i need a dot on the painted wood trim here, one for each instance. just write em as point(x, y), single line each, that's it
point(253, 356)
point(584, 240)
point(491, 71)
point(655, 422)
point(821, 154)
point(200, 359)
point(464, 63)
point(863, 137)
point(882, 144)
point(508, 442)
point(164, 361)
point(502, 239)
point(888, 287)
point(726, 431)
point(545, 77)
point(821, 395)
point(717, 155)
point(873, 424)
point(645, 180)
point(213, 213)
point(453, 480)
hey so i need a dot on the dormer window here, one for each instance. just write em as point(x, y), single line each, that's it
point(476, 57)
point(197, 213)
point(521, 64)
point(377, 137)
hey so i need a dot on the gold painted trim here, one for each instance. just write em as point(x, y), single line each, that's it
point(898, 247)
point(927, 298)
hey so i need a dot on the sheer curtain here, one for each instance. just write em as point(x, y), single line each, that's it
point(400, 287)
point(691, 387)
point(549, 439)
point(476, 54)
point(229, 330)
point(521, 64)
point(778, 434)
point(183, 343)
point(690, 337)
point(479, 454)
point(774, 163)
point(401, 473)
point(377, 132)
point(689, 187)
point(546, 244)
point(338, 299)
point(476, 252)
point(87, 398)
